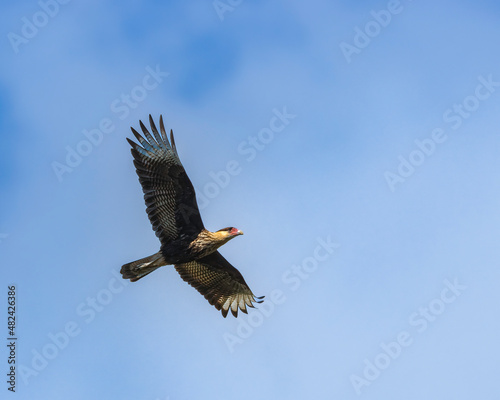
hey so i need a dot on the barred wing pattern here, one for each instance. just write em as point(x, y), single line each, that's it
point(219, 282)
point(168, 192)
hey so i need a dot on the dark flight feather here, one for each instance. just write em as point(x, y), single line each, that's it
point(219, 282)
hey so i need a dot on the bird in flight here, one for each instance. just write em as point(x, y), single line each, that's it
point(172, 209)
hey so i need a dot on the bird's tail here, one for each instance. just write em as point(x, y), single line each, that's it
point(140, 268)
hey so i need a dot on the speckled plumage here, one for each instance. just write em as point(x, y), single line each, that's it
point(172, 209)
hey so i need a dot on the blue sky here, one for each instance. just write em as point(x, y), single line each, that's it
point(365, 181)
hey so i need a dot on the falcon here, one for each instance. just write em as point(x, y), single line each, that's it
point(173, 211)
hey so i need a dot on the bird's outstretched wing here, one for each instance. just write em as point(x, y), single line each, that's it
point(168, 192)
point(219, 282)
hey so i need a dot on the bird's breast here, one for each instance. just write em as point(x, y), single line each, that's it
point(182, 251)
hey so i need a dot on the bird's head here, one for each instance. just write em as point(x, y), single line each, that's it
point(227, 234)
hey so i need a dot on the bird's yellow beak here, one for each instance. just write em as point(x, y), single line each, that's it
point(240, 232)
